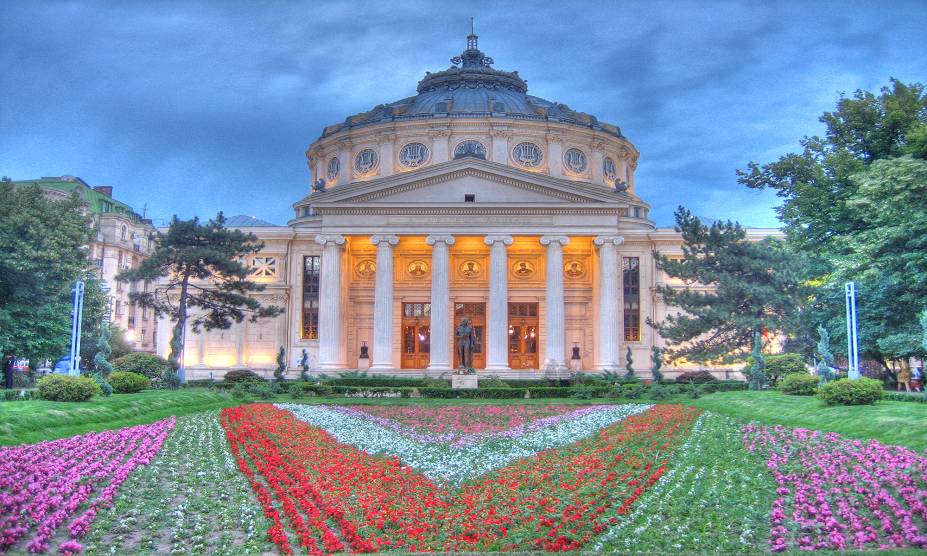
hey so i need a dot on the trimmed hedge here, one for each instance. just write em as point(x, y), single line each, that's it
point(146, 364)
point(696, 377)
point(799, 384)
point(242, 375)
point(864, 391)
point(17, 394)
point(65, 388)
point(128, 383)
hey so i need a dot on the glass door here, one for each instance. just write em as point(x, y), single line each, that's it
point(416, 335)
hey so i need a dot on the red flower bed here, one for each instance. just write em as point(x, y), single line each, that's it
point(326, 496)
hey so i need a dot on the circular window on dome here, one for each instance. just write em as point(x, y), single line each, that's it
point(608, 168)
point(366, 161)
point(333, 166)
point(575, 161)
point(413, 155)
point(470, 148)
point(527, 154)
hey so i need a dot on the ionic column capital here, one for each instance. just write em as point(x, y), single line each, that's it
point(433, 239)
point(325, 239)
point(548, 240)
point(498, 238)
point(605, 240)
point(388, 239)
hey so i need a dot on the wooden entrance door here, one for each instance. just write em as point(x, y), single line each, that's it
point(523, 335)
point(476, 312)
point(416, 335)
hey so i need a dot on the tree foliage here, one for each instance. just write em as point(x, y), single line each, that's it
point(855, 202)
point(199, 279)
point(732, 289)
point(43, 251)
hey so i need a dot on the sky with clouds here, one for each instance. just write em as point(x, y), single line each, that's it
point(192, 107)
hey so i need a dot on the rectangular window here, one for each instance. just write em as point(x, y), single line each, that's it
point(631, 280)
point(312, 264)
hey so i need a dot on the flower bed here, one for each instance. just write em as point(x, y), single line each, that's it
point(841, 494)
point(324, 495)
point(191, 500)
point(45, 485)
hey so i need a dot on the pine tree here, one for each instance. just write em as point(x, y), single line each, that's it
point(280, 371)
point(757, 370)
point(733, 289)
point(101, 359)
point(199, 266)
point(629, 365)
point(304, 365)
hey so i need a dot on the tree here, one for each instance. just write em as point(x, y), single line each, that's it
point(734, 288)
point(757, 379)
point(280, 371)
point(656, 358)
point(43, 251)
point(629, 365)
point(854, 204)
point(304, 365)
point(825, 357)
point(101, 362)
point(199, 279)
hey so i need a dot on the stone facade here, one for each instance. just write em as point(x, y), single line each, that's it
point(471, 199)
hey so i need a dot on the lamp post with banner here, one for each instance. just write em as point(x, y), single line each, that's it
point(852, 341)
point(77, 312)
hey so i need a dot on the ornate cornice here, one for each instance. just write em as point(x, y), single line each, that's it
point(616, 211)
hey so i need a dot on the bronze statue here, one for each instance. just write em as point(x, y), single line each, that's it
point(465, 340)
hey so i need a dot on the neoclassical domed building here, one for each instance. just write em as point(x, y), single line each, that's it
point(472, 199)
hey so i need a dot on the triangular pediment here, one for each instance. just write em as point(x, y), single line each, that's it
point(453, 182)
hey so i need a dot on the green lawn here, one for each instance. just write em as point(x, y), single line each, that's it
point(903, 423)
point(36, 420)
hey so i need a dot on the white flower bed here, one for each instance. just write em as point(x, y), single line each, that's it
point(452, 465)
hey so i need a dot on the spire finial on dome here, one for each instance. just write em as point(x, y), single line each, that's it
point(472, 38)
point(472, 57)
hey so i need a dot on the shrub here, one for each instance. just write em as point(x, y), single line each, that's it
point(799, 384)
point(170, 380)
point(493, 382)
point(865, 391)
point(146, 364)
point(17, 395)
point(632, 390)
point(696, 377)
point(64, 388)
point(104, 386)
point(128, 383)
point(778, 366)
point(658, 392)
point(242, 375)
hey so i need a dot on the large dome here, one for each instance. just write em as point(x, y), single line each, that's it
point(471, 87)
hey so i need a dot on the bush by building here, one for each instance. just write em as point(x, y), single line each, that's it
point(798, 384)
point(128, 383)
point(242, 375)
point(696, 377)
point(778, 366)
point(864, 391)
point(147, 364)
point(64, 388)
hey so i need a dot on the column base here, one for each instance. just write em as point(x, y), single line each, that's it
point(497, 368)
point(382, 367)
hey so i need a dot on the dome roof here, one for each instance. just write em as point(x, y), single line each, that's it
point(471, 87)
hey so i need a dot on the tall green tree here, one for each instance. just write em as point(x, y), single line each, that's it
point(854, 202)
point(199, 279)
point(43, 251)
point(733, 289)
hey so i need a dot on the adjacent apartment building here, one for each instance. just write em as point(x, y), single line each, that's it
point(124, 239)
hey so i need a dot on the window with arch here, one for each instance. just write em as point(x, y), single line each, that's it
point(366, 161)
point(470, 147)
point(527, 155)
point(575, 161)
point(413, 155)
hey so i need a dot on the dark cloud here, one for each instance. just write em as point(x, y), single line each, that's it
point(193, 107)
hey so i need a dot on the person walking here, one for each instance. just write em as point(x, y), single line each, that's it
point(917, 379)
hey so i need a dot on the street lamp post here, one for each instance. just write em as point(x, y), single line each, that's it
point(852, 341)
point(77, 312)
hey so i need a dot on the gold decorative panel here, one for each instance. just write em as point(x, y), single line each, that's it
point(365, 269)
point(574, 269)
point(469, 269)
point(523, 269)
point(417, 268)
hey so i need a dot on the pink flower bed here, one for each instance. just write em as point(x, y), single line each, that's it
point(44, 485)
point(837, 494)
point(460, 425)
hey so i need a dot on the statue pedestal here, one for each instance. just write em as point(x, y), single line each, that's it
point(464, 381)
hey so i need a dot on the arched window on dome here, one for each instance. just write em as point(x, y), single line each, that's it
point(470, 148)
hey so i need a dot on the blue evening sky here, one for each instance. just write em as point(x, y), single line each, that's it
point(193, 107)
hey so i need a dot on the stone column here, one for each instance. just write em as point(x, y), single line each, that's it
point(440, 357)
point(439, 145)
point(554, 350)
point(555, 155)
point(595, 161)
point(608, 301)
point(330, 301)
point(497, 354)
point(383, 303)
point(499, 150)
